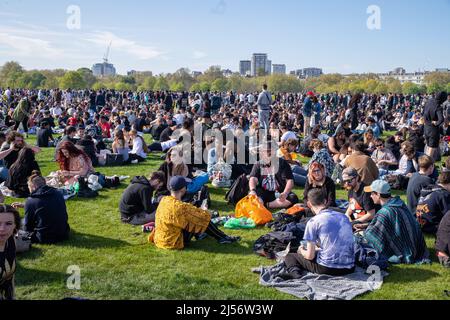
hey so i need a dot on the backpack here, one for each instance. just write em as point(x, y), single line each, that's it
point(238, 191)
point(272, 243)
point(337, 174)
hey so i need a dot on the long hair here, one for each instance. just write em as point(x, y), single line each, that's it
point(311, 180)
point(4, 208)
point(24, 163)
point(64, 163)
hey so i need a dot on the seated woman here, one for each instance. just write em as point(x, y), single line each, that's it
point(120, 146)
point(73, 162)
point(140, 150)
point(178, 222)
point(46, 216)
point(20, 171)
point(322, 156)
point(369, 141)
point(335, 144)
point(317, 179)
point(10, 224)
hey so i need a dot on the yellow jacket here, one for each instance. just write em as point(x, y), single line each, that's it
point(174, 216)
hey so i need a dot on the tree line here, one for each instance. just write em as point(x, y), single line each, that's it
point(13, 75)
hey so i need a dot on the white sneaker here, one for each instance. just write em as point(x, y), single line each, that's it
point(135, 162)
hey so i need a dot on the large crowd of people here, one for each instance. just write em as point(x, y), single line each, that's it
point(366, 144)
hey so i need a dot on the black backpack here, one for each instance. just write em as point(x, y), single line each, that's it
point(238, 190)
point(272, 243)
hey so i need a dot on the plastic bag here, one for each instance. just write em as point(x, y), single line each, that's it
point(93, 183)
point(222, 174)
point(250, 207)
point(242, 223)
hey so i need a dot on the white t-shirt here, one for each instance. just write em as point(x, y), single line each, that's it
point(56, 111)
point(179, 118)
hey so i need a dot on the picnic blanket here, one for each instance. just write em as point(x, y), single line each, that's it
point(323, 287)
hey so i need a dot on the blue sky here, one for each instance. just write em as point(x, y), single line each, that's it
point(162, 36)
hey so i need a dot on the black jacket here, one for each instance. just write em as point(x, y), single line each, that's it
point(137, 198)
point(88, 146)
point(46, 216)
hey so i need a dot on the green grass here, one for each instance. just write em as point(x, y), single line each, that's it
point(117, 262)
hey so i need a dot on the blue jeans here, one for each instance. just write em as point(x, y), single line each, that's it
point(263, 117)
point(300, 175)
point(3, 174)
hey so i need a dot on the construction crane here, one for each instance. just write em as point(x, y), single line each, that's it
point(105, 58)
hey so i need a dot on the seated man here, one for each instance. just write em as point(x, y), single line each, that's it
point(44, 136)
point(330, 244)
point(361, 209)
point(434, 202)
point(383, 157)
point(136, 205)
point(394, 232)
point(443, 241)
point(366, 167)
point(177, 222)
point(45, 212)
point(418, 181)
point(272, 175)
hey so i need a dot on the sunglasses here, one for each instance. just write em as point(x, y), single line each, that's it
point(348, 181)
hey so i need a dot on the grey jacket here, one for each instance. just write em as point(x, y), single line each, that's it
point(264, 100)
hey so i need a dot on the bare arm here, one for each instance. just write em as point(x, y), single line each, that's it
point(310, 252)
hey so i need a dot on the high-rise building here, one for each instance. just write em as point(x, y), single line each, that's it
point(245, 67)
point(279, 69)
point(268, 67)
point(311, 72)
point(259, 63)
point(103, 69)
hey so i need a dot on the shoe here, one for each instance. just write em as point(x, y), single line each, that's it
point(134, 162)
point(229, 240)
point(201, 236)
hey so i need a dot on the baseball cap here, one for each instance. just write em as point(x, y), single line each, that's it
point(177, 183)
point(379, 186)
point(349, 173)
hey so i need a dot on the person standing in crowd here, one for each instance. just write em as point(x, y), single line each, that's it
point(264, 108)
point(307, 113)
point(434, 117)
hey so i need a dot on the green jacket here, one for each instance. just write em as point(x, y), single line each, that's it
point(22, 110)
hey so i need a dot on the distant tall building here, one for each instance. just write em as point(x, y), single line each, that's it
point(398, 71)
point(268, 67)
point(259, 63)
point(279, 69)
point(103, 69)
point(311, 72)
point(245, 67)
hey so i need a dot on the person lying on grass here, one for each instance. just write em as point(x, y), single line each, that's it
point(177, 222)
point(330, 245)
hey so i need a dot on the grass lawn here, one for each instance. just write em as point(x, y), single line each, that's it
point(117, 262)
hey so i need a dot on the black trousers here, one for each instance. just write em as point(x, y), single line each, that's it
point(211, 231)
point(297, 260)
point(24, 123)
point(132, 157)
point(156, 146)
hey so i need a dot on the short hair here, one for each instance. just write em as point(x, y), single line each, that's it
point(265, 86)
point(357, 146)
point(316, 197)
point(316, 143)
point(158, 175)
point(425, 162)
point(37, 179)
point(291, 142)
point(444, 177)
point(12, 136)
point(408, 148)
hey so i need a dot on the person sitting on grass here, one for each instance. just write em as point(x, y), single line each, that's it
point(272, 175)
point(317, 179)
point(9, 225)
point(20, 171)
point(136, 204)
point(394, 232)
point(73, 162)
point(178, 222)
point(443, 241)
point(46, 216)
point(330, 245)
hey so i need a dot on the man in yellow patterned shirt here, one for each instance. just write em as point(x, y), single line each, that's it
point(177, 222)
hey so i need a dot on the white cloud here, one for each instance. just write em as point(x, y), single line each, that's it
point(26, 46)
point(103, 38)
point(199, 55)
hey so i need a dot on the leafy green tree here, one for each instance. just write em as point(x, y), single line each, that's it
point(435, 87)
point(437, 79)
point(410, 88)
point(205, 86)
point(88, 76)
point(148, 84)
point(72, 80)
point(195, 87)
point(161, 84)
point(220, 85)
point(177, 86)
point(382, 88)
point(10, 74)
point(31, 80)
